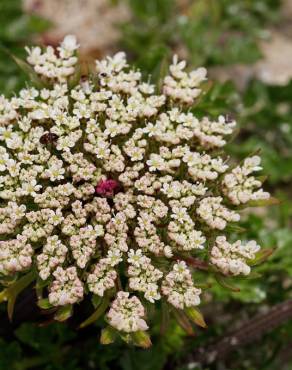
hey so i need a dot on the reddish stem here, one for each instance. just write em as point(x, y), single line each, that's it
point(194, 262)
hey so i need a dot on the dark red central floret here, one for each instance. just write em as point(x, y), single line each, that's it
point(107, 188)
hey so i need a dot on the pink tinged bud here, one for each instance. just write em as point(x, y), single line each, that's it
point(107, 188)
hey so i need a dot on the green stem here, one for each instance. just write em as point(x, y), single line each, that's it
point(13, 290)
point(100, 310)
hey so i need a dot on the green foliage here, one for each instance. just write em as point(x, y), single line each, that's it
point(17, 29)
point(56, 347)
point(266, 123)
point(210, 32)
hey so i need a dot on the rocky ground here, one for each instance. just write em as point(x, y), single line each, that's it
point(95, 22)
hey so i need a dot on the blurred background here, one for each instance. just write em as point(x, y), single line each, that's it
point(247, 47)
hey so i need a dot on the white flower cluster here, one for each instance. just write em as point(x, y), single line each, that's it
point(52, 65)
point(66, 288)
point(211, 133)
point(126, 314)
point(15, 255)
point(143, 275)
point(183, 86)
point(83, 245)
point(10, 217)
point(179, 288)
point(105, 183)
point(232, 258)
point(240, 187)
point(54, 253)
point(104, 275)
point(182, 230)
point(215, 214)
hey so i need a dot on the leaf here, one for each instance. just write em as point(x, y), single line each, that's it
point(251, 276)
point(196, 316)
point(96, 315)
point(25, 67)
point(235, 228)
point(263, 202)
point(64, 313)
point(261, 256)
point(108, 335)
point(10, 294)
point(225, 283)
point(141, 339)
point(183, 321)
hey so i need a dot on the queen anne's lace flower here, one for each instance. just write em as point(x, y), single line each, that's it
point(105, 182)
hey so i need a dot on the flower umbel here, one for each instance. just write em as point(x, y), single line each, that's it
point(109, 187)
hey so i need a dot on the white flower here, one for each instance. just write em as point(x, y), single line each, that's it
point(70, 43)
point(155, 162)
point(30, 188)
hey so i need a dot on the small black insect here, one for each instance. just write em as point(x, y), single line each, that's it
point(103, 74)
point(48, 138)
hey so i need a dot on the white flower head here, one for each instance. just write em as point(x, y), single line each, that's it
point(111, 187)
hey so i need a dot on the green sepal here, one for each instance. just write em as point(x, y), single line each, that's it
point(63, 313)
point(235, 228)
point(74, 80)
point(252, 275)
point(108, 335)
point(141, 339)
point(40, 283)
point(165, 317)
point(262, 178)
point(184, 321)
point(263, 202)
point(96, 300)
point(261, 256)
point(196, 316)
point(44, 304)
